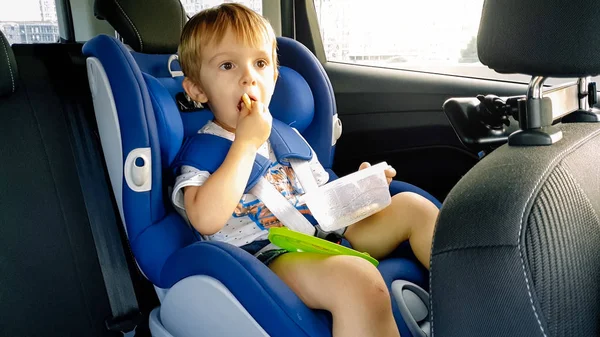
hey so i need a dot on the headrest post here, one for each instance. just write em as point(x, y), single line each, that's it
point(583, 83)
point(535, 118)
point(536, 86)
point(587, 98)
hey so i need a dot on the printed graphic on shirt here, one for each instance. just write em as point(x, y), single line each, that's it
point(284, 180)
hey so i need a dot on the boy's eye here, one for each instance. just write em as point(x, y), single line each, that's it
point(226, 66)
point(261, 63)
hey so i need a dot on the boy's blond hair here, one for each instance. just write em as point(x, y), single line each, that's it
point(210, 25)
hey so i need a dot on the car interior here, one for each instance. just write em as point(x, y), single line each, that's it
point(90, 244)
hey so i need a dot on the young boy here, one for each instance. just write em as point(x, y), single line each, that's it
point(226, 52)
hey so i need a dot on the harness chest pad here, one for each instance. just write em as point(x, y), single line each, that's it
point(207, 152)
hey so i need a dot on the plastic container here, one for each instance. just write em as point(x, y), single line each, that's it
point(351, 198)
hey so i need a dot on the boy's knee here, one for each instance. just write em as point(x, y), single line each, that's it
point(410, 199)
point(360, 279)
point(415, 204)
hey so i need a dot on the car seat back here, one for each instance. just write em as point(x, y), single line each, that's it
point(131, 141)
point(519, 235)
point(54, 278)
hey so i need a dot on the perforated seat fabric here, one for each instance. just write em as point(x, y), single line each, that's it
point(524, 250)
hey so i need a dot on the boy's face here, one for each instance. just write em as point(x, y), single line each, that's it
point(230, 69)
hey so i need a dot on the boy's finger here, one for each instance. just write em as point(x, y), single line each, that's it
point(265, 109)
point(267, 113)
point(257, 107)
point(390, 172)
point(245, 111)
point(364, 165)
point(268, 117)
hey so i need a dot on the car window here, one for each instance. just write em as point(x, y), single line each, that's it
point(30, 21)
point(435, 36)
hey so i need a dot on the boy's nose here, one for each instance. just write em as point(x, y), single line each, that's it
point(248, 78)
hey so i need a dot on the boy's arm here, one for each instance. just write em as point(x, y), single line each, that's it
point(209, 206)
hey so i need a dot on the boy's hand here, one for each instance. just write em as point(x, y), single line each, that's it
point(390, 172)
point(254, 123)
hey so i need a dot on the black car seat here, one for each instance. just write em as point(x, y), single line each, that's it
point(517, 245)
point(51, 277)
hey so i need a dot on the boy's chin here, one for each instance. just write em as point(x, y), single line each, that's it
point(225, 124)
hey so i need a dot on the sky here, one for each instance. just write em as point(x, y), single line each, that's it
point(20, 10)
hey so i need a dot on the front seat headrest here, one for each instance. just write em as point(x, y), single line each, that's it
point(8, 68)
point(540, 38)
point(151, 27)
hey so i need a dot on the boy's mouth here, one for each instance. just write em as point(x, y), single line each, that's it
point(241, 102)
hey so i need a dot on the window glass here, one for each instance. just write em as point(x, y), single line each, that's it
point(436, 36)
point(29, 21)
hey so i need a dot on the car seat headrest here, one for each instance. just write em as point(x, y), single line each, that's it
point(293, 102)
point(540, 38)
point(8, 68)
point(153, 27)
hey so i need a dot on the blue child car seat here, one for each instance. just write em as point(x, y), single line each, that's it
point(142, 130)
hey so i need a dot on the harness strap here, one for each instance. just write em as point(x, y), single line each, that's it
point(281, 207)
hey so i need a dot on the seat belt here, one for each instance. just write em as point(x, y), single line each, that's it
point(304, 174)
point(280, 206)
point(126, 315)
point(309, 184)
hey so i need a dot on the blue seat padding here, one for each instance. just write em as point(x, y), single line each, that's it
point(261, 292)
point(169, 124)
point(154, 229)
point(401, 186)
point(319, 133)
point(155, 64)
point(292, 101)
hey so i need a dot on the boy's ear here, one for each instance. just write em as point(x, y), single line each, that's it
point(194, 91)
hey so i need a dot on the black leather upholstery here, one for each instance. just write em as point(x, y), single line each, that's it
point(8, 68)
point(138, 25)
point(517, 245)
point(540, 37)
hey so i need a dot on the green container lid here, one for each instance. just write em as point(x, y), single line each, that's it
point(293, 241)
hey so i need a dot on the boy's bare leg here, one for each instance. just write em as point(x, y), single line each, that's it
point(409, 216)
point(349, 287)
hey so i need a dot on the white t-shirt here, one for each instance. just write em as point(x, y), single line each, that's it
point(250, 220)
